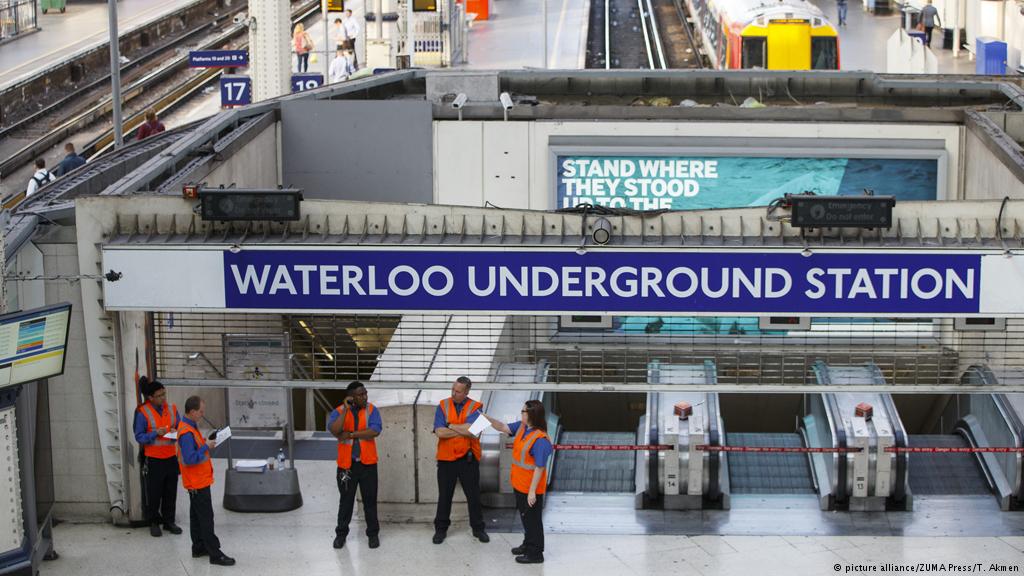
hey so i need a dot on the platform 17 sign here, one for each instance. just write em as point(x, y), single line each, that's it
point(523, 281)
point(235, 91)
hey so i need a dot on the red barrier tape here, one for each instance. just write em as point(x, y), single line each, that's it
point(775, 449)
point(996, 449)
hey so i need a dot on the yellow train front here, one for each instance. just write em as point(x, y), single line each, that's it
point(779, 35)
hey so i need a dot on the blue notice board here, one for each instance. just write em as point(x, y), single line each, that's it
point(301, 82)
point(218, 58)
point(235, 90)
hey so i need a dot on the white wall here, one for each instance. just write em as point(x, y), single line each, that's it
point(509, 163)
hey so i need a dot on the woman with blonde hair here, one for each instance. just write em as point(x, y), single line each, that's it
point(303, 44)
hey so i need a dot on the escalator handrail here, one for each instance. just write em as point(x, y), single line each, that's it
point(653, 408)
point(1010, 417)
point(838, 432)
point(714, 433)
point(810, 458)
point(900, 438)
point(963, 429)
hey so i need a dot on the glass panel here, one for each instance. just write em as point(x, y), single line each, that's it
point(824, 55)
point(753, 52)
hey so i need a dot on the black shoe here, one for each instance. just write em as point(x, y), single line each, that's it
point(199, 553)
point(481, 536)
point(223, 560)
point(154, 530)
point(519, 550)
point(172, 528)
point(439, 536)
point(524, 559)
point(374, 542)
point(339, 542)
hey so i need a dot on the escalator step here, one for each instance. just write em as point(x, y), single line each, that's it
point(594, 471)
point(948, 473)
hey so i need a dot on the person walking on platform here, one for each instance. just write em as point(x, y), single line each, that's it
point(841, 7)
point(530, 452)
point(197, 477)
point(41, 178)
point(351, 33)
point(929, 16)
point(356, 423)
point(71, 160)
point(458, 459)
point(303, 43)
point(151, 126)
point(153, 420)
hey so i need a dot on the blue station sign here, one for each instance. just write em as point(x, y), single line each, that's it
point(218, 58)
point(303, 82)
point(235, 90)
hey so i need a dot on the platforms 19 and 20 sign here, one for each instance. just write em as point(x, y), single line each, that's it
point(865, 282)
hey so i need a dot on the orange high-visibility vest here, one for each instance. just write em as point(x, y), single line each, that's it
point(523, 464)
point(194, 476)
point(161, 447)
point(367, 448)
point(451, 449)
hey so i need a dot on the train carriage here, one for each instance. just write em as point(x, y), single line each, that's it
point(781, 35)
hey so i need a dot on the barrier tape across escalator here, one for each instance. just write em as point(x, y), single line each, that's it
point(783, 449)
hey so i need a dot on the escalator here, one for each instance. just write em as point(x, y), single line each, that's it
point(769, 473)
point(592, 470)
point(945, 473)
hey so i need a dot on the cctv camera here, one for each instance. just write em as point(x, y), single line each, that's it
point(602, 233)
point(506, 101)
point(460, 101)
point(239, 19)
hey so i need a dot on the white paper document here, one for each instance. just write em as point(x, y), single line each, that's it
point(172, 435)
point(223, 434)
point(250, 465)
point(479, 425)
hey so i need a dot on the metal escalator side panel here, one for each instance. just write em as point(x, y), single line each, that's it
point(840, 492)
point(901, 481)
point(1013, 420)
point(714, 490)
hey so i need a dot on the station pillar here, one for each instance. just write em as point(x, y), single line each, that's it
point(270, 54)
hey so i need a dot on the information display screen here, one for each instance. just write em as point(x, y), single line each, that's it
point(32, 344)
point(424, 5)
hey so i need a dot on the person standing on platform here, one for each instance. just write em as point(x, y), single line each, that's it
point(458, 459)
point(356, 423)
point(153, 420)
point(341, 67)
point(197, 477)
point(929, 16)
point(41, 178)
point(841, 7)
point(303, 44)
point(71, 160)
point(531, 449)
point(151, 126)
point(339, 35)
point(351, 33)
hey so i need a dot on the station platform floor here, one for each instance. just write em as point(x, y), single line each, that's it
point(584, 535)
point(82, 27)
point(511, 37)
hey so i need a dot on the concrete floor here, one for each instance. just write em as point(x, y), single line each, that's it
point(584, 536)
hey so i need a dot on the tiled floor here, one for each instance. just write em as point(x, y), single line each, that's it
point(585, 537)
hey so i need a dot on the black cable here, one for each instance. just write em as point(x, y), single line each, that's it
point(999, 220)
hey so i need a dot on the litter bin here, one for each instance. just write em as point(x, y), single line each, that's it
point(46, 5)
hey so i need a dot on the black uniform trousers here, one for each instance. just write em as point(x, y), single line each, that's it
point(465, 471)
point(200, 522)
point(161, 478)
point(533, 523)
point(364, 477)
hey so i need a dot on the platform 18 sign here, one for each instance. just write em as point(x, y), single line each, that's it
point(663, 282)
point(235, 90)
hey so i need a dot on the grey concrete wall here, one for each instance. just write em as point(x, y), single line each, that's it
point(254, 166)
point(986, 175)
point(351, 150)
point(79, 481)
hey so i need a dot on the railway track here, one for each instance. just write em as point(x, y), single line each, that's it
point(162, 87)
point(646, 34)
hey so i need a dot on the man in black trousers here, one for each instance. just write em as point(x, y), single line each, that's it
point(458, 459)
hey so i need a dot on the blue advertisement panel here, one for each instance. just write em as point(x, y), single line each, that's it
point(698, 182)
point(218, 58)
point(660, 282)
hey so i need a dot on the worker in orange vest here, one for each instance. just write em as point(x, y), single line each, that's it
point(197, 477)
point(458, 459)
point(153, 420)
point(355, 423)
point(531, 450)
